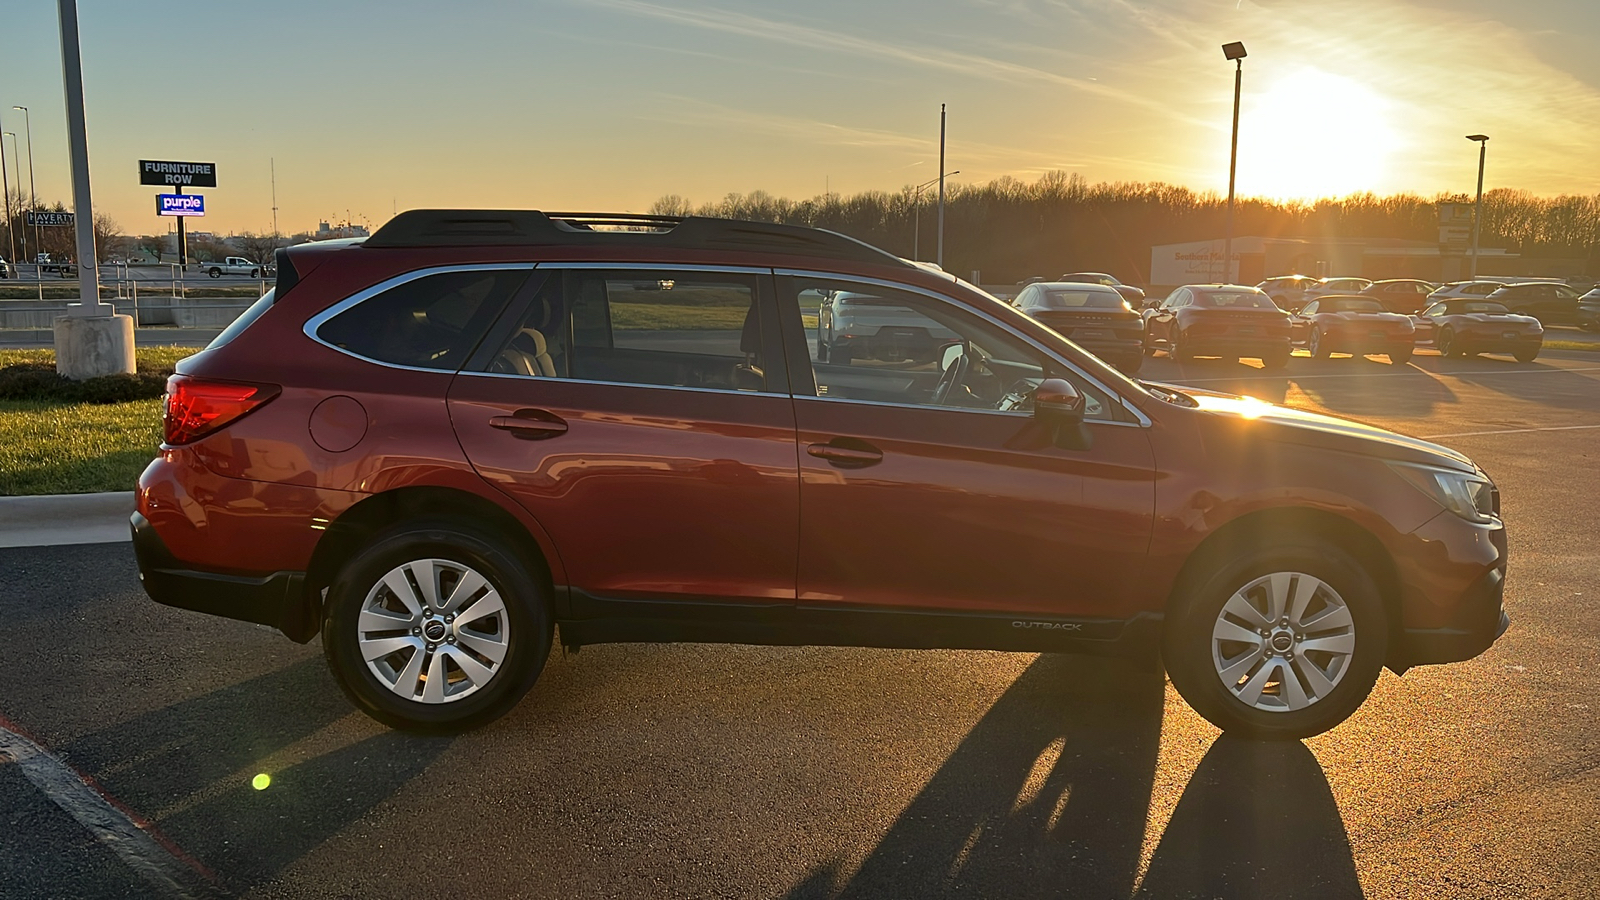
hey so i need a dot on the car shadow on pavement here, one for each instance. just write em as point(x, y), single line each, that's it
point(1046, 796)
point(189, 766)
point(1257, 820)
point(1049, 795)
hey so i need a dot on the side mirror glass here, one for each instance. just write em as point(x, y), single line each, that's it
point(1056, 401)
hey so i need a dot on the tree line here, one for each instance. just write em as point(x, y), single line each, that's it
point(1011, 229)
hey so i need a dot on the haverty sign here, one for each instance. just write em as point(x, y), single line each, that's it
point(180, 205)
point(179, 174)
point(38, 218)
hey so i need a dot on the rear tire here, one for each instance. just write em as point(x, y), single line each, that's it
point(1401, 357)
point(1177, 348)
point(1526, 355)
point(1277, 686)
point(432, 631)
point(1318, 345)
point(1275, 359)
point(1132, 364)
point(1446, 343)
point(215, 273)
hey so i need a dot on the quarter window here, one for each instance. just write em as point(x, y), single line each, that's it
point(432, 322)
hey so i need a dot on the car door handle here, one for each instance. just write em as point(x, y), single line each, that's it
point(852, 455)
point(531, 424)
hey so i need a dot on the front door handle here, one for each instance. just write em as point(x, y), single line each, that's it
point(847, 453)
point(531, 424)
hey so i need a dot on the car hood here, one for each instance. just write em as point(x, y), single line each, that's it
point(1297, 426)
point(1502, 318)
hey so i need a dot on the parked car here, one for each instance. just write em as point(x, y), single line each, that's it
point(1134, 295)
point(1469, 290)
point(434, 448)
point(1400, 295)
point(1469, 327)
point(61, 266)
point(1096, 317)
point(232, 265)
point(1549, 302)
point(1227, 320)
point(1340, 285)
point(1356, 325)
point(1288, 291)
point(853, 325)
point(1589, 311)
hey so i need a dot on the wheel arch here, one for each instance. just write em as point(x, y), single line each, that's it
point(356, 526)
point(1262, 527)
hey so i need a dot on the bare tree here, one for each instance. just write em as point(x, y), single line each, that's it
point(108, 237)
point(259, 248)
point(153, 244)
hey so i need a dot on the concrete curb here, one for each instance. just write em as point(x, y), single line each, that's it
point(52, 519)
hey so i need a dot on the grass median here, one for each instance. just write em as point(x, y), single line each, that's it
point(63, 447)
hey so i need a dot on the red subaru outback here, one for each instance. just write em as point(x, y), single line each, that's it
point(443, 445)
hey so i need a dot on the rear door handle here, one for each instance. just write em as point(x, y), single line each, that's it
point(531, 424)
point(847, 453)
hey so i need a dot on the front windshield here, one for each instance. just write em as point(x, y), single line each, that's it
point(1234, 300)
point(1479, 307)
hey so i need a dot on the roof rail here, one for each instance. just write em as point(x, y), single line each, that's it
point(530, 227)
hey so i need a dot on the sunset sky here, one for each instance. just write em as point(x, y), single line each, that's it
point(609, 104)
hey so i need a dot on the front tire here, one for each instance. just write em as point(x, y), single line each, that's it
point(436, 627)
point(1282, 643)
point(215, 273)
point(1446, 344)
point(1319, 345)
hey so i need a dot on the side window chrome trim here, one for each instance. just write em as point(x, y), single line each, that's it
point(317, 321)
point(1143, 420)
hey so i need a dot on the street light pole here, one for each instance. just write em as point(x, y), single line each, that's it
point(916, 215)
point(1235, 52)
point(16, 167)
point(940, 259)
point(1477, 211)
point(5, 191)
point(33, 193)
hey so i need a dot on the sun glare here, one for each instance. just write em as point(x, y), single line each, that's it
point(1314, 134)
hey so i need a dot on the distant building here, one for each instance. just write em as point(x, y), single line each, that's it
point(326, 231)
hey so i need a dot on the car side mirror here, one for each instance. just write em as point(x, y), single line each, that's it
point(1058, 406)
point(1152, 304)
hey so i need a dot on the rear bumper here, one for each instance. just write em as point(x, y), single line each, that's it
point(1251, 348)
point(276, 598)
point(1125, 348)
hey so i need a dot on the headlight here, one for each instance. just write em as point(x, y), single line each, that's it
point(1470, 495)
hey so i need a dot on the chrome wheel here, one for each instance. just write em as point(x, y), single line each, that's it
point(1283, 642)
point(433, 630)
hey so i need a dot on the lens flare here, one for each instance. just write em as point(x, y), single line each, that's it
point(261, 782)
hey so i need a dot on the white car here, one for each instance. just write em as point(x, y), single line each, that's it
point(1326, 286)
point(233, 265)
point(1466, 290)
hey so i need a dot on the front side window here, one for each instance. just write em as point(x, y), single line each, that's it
point(665, 328)
point(431, 322)
point(1438, 309)
point(883, 345)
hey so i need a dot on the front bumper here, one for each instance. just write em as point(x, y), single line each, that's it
point(1480, 620)
point(1452, 580)
point(276, 599)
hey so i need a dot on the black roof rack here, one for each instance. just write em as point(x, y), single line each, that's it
point(530, 227)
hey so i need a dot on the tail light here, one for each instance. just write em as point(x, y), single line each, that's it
point(195, 407)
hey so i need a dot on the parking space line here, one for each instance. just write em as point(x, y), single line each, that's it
point(156, 859)
point(1457, 434)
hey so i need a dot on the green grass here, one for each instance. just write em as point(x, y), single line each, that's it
point(76, 448)
point(649, 317)
point(1592, 346)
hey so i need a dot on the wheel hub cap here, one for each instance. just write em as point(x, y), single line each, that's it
point(433, 630)
point(1283, 641)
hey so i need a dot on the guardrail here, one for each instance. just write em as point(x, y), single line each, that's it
point(149, 302)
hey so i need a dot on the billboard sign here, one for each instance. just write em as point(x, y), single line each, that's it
point(180, 205)
point(179, 174)
point(48, 219)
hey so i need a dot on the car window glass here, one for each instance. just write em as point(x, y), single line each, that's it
point(640, 327)
point(1310, 308)
point(1234, 300)
point(888, 346)
point(1438, 309)
point(431, 322)
point(1354, 304)
point(1565, 292)
point(1069, 299)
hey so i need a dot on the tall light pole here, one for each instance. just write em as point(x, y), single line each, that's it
point(33, 193)
point(940, 259)
point(1235, 52)
point(916, 215)
point(1477, 211)
point(5, 192)
point(16, 166)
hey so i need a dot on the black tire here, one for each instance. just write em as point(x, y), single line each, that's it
point(527, 615)
point(822, 347)
point(255, 273)
point(1149, 348)
point(1130, 365)
point(841, 356)
point(215, 272)
point(1187, 639)
point(1177, 348)
point(1526, 354)
point(1319, 348)
point(1275, 359)
point(1401, 356)
point(1445, 343)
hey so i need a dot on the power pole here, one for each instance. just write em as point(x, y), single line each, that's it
point(273, 162)
point(940, 260)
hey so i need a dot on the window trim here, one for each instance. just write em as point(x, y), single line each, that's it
point(1143, 421)
point(365, 294)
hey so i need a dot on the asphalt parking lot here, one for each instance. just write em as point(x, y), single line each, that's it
point(734, 771)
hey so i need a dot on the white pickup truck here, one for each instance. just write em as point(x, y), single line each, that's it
point(233, 265)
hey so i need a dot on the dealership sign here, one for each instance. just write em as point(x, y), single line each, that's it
point(46, 219)
point(180, 205)
point(180, 174)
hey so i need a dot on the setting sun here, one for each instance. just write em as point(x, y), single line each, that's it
point(1314, 134)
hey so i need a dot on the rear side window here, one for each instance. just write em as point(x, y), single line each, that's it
point(432, 322)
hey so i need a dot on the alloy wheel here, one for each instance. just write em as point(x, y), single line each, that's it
point(433, 630)
point(1283, 642)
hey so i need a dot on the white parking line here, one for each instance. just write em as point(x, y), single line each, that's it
point(159, 862)
point(1457, 434)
